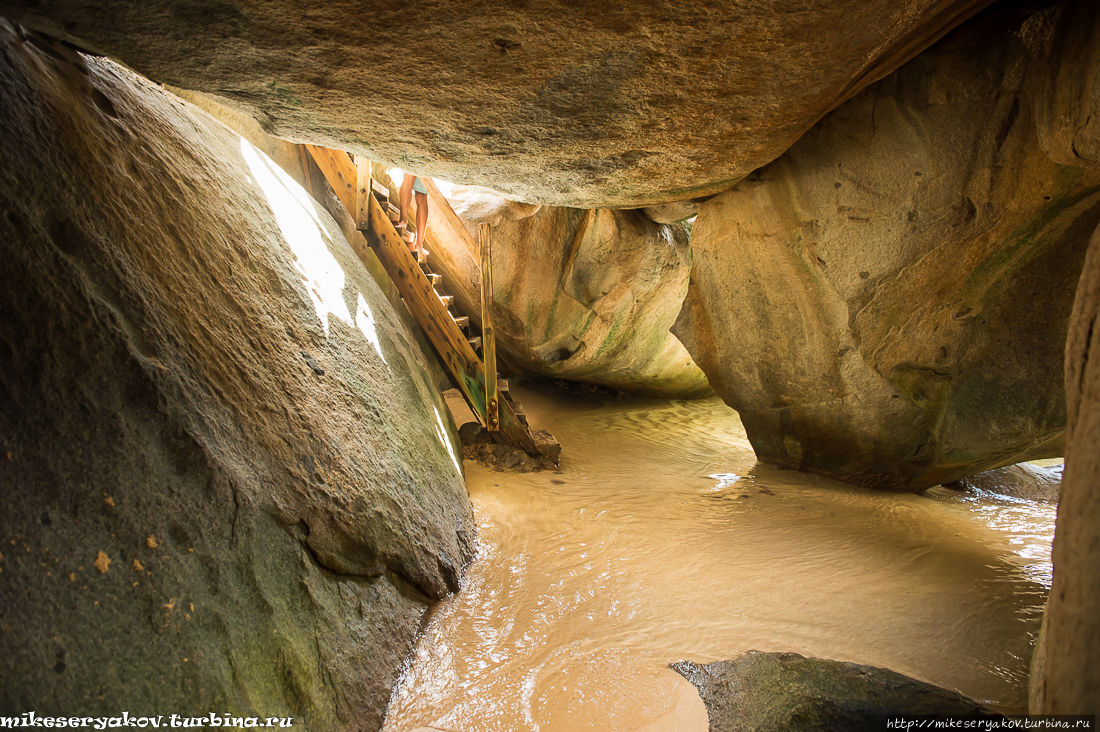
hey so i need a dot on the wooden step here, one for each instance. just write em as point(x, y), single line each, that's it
point(434, 279)
point(502, 385)
point(406, 235)
point(462, 321)
point(447, 300)
point(380, 192)
point(475, 342)
point(393, 213)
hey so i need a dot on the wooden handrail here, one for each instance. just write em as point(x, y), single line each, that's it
point(488, 335)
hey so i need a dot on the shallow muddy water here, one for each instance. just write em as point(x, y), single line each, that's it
point(661, 539)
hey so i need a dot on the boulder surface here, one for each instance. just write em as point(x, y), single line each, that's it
point(586, 295)
point(230, 485)
point(786, 692)
point(551, 101)
point(1066, 679)
point(888, 302)
point(1024, 480)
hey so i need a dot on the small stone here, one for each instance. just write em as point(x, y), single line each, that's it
point(472, 433)
point(102, 562)
point(109, 501)
point(138, 567)
point(151, 542)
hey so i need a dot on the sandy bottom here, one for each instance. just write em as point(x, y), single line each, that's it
point(661, 539)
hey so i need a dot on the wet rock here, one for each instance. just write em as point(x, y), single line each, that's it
point(786, 692)
point(472, 433)
point(1019, 481)
point(867, 303)
point(489, 454)
point(572, 104)
point(582, 295)
point(204, 521)
point(548, 445)
point(1069, 678)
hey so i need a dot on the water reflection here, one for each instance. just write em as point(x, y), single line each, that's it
point(662, 540)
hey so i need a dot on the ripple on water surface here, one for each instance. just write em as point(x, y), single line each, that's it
point(662, 540)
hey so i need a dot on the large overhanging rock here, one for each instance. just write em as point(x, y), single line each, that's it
point(888, 303)
point(583, 295)
point(565, 103)
point(229, 483)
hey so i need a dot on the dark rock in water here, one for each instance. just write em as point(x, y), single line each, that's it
point(548, 445)
point(788, 692)
point(493, 455)
point(1019, 481)
point(473, 433)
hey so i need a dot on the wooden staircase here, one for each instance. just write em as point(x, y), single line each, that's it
point(459, 350)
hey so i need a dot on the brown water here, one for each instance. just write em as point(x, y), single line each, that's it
point(662, 540)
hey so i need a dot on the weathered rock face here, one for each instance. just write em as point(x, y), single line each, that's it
point(228, 480)
point(1068, 92)
point(1018, 481)
point(552, 101)
point(582, 295)
point(786, 692)
point(1068, 676)
point(888, 302)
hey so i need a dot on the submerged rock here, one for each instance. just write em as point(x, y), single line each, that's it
point(228, 479)
point(888, 302)
point(564, 103)
point(478, 445)
point(582, 295)
point(786, 692)
point(1019, 481)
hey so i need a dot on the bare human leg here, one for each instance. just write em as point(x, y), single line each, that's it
point(404, 199)
point(421, 221)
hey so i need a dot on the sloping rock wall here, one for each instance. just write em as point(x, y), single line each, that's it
point(553, 101)
point(1066, 679)
point(581, 295)
point(229, 482)
point(888, 302)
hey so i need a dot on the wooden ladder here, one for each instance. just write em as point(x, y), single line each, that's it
point(368, 203)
